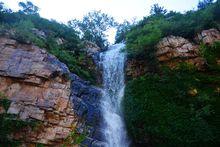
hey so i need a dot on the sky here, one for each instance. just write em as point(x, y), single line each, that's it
point(65, 10)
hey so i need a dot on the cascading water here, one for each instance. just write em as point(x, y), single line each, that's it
point(113, 85)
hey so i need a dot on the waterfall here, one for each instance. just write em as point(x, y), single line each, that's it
point(113, 92)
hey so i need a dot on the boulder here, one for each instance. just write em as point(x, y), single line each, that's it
point(91, 48)
point(60, 41)
point(41, 34)
point(208, 37)
point(173, 50)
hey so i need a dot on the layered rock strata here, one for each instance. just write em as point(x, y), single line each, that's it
point(42, 89)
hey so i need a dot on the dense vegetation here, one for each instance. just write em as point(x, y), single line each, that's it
point(93, 27)
point(178, 107)
point(142, 37)
point(64, 41)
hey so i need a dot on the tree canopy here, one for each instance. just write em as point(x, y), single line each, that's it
point(93, 27)
point(157, 10)
point(204, 3)
point(28, 7)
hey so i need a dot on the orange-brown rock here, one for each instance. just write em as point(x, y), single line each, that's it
point(37, 85)
point(208, 37)
point(173, 50)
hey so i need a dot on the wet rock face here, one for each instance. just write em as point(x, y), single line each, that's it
point(173, 50)
point(208, 37)
point(37, 85)
point(86, 100)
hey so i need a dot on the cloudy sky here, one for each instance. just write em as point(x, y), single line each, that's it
point(64, 10)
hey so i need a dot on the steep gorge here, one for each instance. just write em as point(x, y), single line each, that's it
point(42, 89)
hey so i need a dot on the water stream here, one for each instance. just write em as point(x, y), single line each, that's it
point(113, 85)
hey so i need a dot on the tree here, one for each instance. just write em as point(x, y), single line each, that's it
point(157, 10)
point(4, 9)
point(1, 6)
point(122, 30)
point(93, 27)
point(28, 8)
point(203, 4)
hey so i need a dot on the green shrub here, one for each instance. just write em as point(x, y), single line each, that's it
point(77, 63)
point(10, 124)
point(211, 54)
point(74, 138)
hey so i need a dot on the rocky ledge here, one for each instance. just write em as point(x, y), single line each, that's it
point(41, 88)
point(172, 50)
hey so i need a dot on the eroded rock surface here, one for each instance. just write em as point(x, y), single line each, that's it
point(173, 50)
point(41, 88)
point(38, 87)
point(91, 48)
point(208, 37)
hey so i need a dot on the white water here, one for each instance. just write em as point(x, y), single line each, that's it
point(113, 85)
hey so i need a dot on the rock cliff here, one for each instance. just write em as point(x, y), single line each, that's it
point(173, 50)
point(41, 88)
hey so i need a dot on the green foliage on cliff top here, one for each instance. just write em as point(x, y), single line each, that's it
point(176, 107)
point(142, 38)
point(26, 26)
point(93, 27)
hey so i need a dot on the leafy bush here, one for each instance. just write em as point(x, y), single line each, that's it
point(10, 124)
point(24, 33)
point(74, 138)
point(122, 30)
point(77, 63)
point(211, 54)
